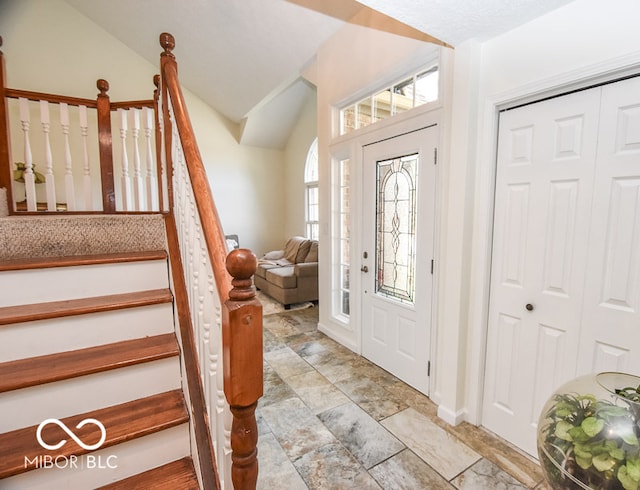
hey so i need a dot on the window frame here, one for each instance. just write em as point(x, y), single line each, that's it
point(311, 168)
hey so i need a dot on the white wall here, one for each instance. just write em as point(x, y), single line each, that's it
point(584, 40)
point(295, 157)
point(577, 41)
point(353, 63)
point(50, 47)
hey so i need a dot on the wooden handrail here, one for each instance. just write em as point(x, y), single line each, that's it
point(241, 311)
point(212, 229)
point(6, 173)
point(53, 98)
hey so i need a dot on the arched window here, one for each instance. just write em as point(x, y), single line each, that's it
point(311, 190)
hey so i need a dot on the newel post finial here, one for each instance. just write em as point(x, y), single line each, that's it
point(156, 80)
point(103, 86)
point(168, 43)
point(241, 264)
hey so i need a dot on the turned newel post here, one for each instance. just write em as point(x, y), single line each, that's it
point(167, 63)
point(105, 147)
point(242, 340)
point(6, 165)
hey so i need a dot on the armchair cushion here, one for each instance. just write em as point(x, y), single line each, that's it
point(283, 277)
point(306, 269)
point(312, 256)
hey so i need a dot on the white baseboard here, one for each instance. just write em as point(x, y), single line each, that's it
point(451, 417)
point(347, 342)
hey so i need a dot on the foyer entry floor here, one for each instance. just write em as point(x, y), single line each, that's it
point(330, 419)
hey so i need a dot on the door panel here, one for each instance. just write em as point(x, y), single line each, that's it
point(545, 170)
point(611, 326)
point(398, 237)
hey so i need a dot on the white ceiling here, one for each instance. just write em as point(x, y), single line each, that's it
point(245, 57)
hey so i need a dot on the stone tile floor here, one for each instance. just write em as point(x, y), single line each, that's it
point(330, 419)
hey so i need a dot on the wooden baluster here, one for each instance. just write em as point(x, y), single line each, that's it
point(127, 205)
point(242, 339)
point(6, 163)
point(86, 177)
point(160, 154)
point(152, 186)
point(28, 176)
point(48, 158)
point(69, 187)
point(138, 184)
point(103, 106)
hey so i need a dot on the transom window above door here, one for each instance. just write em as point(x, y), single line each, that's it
point(413, 91)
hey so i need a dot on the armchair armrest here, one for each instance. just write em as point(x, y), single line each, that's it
point(306, 269)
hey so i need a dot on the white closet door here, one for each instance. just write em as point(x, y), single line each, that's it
point(544, 182)
point(611, 320)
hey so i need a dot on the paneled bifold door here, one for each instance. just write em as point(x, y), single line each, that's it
point(565, 280)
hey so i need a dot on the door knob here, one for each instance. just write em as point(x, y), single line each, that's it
point(364, 268)
point(529, 307)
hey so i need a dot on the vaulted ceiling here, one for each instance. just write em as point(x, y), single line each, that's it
point(245, 57)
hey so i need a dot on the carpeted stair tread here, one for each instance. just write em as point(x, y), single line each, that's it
point(178, 474)
point(76, 260)
point(122, 423)
point(81, 306)
point(23, 373)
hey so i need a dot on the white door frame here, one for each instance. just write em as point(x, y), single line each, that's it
point(352, 148)
point(480, 277)
point(417, 313)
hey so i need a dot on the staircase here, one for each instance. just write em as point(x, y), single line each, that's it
point(91, 337)
point(99, 386)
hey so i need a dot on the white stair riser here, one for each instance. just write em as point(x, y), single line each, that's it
point(129, 458)
point(60, 283)
point(31, 339)
point(30, 406)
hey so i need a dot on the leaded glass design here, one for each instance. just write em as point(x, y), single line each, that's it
point(396, 183)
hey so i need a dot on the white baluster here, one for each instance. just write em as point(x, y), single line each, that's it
point(69, 187)
point(86, 177)
point(127, 203)
point(138, 183)
point(50, 185)
point(152, 187)
point(29, 178)
point(207, 345)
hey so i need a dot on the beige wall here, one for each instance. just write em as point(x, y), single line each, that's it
point(50, 47)
point(295, 157)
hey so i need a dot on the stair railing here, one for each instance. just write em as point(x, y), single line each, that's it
point(56, 152)
point(220, 318)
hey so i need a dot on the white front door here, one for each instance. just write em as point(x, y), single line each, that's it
point(396, 262)
point(565, 288)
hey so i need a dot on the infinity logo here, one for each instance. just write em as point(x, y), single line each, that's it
point(88, 447)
